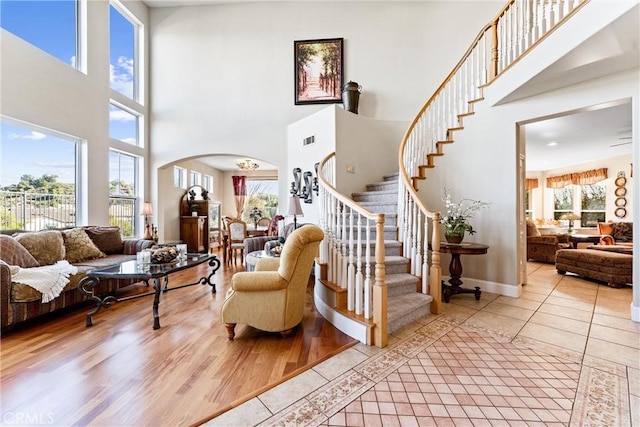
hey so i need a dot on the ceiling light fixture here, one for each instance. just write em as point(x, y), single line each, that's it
point(248, 165)
point(552, 144)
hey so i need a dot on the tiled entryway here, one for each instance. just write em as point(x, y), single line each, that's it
point(564, 353)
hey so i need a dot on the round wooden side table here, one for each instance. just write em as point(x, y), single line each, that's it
point(455, 268)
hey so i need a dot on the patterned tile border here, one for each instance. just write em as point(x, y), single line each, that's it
point(340, 392)
point(301, 413)
point(602, 400)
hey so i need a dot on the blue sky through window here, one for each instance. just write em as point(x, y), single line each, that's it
point(51, 26)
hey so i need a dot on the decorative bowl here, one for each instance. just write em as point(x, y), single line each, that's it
point(163, 255)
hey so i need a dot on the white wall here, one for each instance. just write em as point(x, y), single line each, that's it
point(223, 74)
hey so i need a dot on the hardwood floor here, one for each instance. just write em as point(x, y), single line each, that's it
point(121, 372)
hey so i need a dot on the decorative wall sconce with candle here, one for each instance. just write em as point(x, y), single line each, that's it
point(304, 192)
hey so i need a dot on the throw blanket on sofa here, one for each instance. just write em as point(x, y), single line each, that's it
point(49, 280)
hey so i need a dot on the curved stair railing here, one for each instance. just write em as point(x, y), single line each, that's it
point(520, 25)
point(349, 251)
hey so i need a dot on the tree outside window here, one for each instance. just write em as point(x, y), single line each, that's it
point(262, 194)
point(593, 204)
point(562, 201)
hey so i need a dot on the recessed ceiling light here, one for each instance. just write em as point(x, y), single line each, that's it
point(552, 144)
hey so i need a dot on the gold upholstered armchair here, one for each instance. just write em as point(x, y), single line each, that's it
point(272, 297)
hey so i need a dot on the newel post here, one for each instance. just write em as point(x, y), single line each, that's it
point(435, 271)
point(380, 289)
point(493, 66)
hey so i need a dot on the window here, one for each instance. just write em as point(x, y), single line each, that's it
point(528, 212)
point(123, 125)
point(49, 25)
point(208, 183)
point(179, 177)
point(123, 170)
point(562, 201)
point(37, 191)
point(262, 194)
point(593, 204)
point(122, 51)
point(195, 178)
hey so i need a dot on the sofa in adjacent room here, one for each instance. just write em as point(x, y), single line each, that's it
point(543, 248)
point(84, 248)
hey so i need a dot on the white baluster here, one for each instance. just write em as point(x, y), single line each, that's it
point(358, 273)
point(368, 295)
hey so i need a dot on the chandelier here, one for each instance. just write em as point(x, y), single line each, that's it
point(248, 165)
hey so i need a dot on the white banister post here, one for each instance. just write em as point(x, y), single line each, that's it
point(352, 298)
point(358, 273)
point(367, 281)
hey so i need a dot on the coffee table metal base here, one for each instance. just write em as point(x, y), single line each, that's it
point(160, 285)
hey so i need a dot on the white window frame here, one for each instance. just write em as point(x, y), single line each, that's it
point(207, 183)
point(138, 57)
point(195, 178)
point(179, 177)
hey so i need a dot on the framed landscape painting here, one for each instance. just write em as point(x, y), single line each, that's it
point(318, 71)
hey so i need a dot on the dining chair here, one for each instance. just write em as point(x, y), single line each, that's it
point(237, 233)
point(264, 222)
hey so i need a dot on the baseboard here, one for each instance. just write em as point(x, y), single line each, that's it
point(348, 326)
point(494, 287)
point(635, 313)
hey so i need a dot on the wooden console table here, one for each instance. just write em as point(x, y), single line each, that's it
point(455, 267)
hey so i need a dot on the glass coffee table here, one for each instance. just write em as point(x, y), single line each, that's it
point(159, 273)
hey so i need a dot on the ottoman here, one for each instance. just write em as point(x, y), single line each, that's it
point(612, 268)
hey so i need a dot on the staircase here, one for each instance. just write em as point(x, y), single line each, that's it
point(404, 303)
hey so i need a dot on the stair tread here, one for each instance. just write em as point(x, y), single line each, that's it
point(376, 193)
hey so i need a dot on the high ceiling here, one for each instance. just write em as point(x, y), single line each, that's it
point(581, 137)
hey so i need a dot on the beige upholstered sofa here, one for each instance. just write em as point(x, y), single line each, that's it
point(272, 297)
point(85, 248)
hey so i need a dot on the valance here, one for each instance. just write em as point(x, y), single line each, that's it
point(531, 183)
point(578, 178)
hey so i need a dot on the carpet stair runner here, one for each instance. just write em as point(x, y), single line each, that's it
point(405, 304)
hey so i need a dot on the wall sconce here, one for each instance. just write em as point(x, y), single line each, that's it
point(295, 184)
point(307, 194)
point(315, 187)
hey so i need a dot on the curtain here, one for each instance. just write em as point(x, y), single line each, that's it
point(531, 183)
point(577, 178)
point(589, 177)
point(560, 181)
point(239, 193)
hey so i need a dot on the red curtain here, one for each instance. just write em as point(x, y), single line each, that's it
point(239, 192)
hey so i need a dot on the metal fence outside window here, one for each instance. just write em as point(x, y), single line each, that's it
point(40, 211)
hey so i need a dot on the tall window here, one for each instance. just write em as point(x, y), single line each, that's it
point(179, 177)
point(37, 190)
point(262, 194)
point(123, 170)
point(593, 204)
point(123, 125)
point(123, 64)
point(562, 201)
point(48, 25)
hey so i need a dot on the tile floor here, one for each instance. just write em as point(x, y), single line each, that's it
point(564, 353)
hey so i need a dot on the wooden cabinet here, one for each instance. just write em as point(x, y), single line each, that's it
point(194, 231)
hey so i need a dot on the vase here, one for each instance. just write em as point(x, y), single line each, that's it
point(453, 237)
point(350, 96)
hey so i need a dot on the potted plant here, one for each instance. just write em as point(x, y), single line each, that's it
point(195, 209)
point(455, 221)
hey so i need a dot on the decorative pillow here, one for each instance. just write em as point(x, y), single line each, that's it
point(605, 228)
point(13, 253)
point(623, 232)
point(532, 229)
point(47, 247)
point(107, 239)
point(79, 246)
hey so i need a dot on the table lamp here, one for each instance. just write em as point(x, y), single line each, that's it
point(294, 210)
point(147, 211)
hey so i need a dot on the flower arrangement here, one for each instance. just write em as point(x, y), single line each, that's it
point(455, 220)
point(255, 215)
